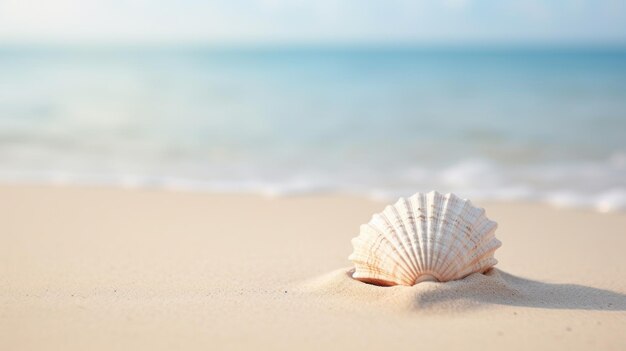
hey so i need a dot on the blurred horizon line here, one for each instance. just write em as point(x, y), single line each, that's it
point(399, 46)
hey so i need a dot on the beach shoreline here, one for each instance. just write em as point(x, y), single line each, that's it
point(101, 268)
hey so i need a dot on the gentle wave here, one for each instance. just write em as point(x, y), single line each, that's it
point(477, 179)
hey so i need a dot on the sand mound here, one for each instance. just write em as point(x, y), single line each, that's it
point(495, 287)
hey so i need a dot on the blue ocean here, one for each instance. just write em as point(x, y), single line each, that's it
point(533, 124)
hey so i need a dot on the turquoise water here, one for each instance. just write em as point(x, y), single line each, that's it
point(537, 124)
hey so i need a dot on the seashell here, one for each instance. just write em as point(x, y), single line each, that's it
point(427, 237)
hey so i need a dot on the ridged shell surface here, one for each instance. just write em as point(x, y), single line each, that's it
point(426, 237)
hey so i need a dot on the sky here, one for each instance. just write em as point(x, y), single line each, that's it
point(314, 21)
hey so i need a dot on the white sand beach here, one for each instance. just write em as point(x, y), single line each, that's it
point(98, 269)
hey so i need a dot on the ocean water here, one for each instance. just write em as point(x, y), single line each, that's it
point(530, 124)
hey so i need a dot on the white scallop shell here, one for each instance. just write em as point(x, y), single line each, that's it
point(427, 237)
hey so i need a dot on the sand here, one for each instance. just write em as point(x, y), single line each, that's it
point(100, 269)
